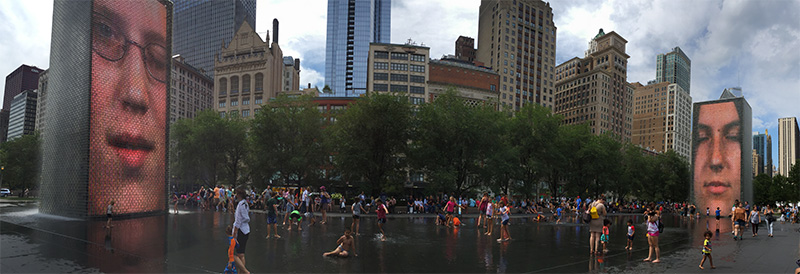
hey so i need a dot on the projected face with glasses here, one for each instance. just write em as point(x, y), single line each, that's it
point(128, 112)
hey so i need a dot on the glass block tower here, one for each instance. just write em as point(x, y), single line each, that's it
point(674, 67)
point(352, 26)
point(201, 28)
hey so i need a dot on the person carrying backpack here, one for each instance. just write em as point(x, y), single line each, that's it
point(597, 211)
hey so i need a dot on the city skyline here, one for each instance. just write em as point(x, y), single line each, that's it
point(729, 43)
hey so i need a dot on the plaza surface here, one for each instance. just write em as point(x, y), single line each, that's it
point(194, 241)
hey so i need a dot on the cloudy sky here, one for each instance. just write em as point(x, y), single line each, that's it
point(752, 44)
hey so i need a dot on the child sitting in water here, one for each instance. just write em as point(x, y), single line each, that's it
point(345, 243)
point(441, 219)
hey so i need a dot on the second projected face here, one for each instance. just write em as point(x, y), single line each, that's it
point(128, 106)
point(718, 156)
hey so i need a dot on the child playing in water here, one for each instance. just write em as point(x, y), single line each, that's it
point(345, 244)
point(707, 250)
point(231, 267)
point(295, 216)
point(489, 217)
point(604, 236)
point(631, 231)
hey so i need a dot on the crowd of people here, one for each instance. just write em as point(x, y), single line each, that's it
point(299, 205)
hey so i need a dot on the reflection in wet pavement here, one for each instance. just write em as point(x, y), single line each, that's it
point(194, 241)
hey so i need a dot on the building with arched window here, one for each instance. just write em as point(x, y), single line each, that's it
point(250, 71)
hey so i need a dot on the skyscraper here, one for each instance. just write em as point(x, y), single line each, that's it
point(674, 67)
point(352, 26)
point(518, 40)
point(21, 79)
point(762, 143)
point(201, 28)
point(22, 119)
point(788, 144)
point(594, 89)
point(662, 118)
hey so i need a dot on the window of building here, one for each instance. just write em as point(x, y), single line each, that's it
point(222, 114)
point(245, 113)
point(234, 103)
point(380, 76)
point(417, 57)
point(399, 88)
point(400, 77)
point(417, 68)
point(417, 79)
point(380, 87)
point(246, 83)
point(403, 67)
point(255, 111)
point(417, 90)
point(259, 81)
point(222, 104)
point(417, 101)
point(234, 84)
point(399, 56)
point(381, 65)
point(381, 55)
point(234, 113)
point(245, 101)
point(258, 101)
point(223, 86)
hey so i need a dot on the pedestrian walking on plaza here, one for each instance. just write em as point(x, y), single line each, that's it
point(707, 250)
point(272, 216)
point(597, 210)
point(755, 220)
point(739, 223)
point(381, 211)
point(489, 220)
point(109, 213)
point(482, 210)
point(770, 219)
point(325, 199)
point(504, 212)
point(357, 209)
point(241, 227)
point(291, 204)
point(652, 238)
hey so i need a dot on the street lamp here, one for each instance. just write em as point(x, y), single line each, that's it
point(2, 171)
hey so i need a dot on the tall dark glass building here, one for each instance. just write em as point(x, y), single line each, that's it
point(674, 67)
point(201, 27)
point(762, 143)
point(21, 79)
point(352, 25)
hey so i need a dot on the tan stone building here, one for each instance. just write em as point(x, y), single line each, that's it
point(248, 72)
point(788, 144)
point(291, 74)
point(191, 91)
point(399, 69)
point(662, 117)
point(595, 90)
point(517, 39)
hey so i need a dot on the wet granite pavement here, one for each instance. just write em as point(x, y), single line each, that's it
point(194, 241)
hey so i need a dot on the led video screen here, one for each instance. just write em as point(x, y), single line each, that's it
point(128, 106)
point(721, 154)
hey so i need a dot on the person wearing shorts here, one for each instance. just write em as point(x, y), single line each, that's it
point(295, 216)
point(241, 226)
point(357, 209)
point(381, 211)
point(272, 216)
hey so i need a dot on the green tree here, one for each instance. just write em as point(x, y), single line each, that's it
point(761, 192)
point(208, 149)
point(369, 141)
point(535, 133)
point(287, 139)
point(453, 141)
point(20, 161)
point(570, 171)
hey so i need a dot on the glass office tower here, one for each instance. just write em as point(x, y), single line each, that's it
point(352, 25)
point(674, 67)
point(200, 27)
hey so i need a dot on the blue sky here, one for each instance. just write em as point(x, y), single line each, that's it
point(752, 44)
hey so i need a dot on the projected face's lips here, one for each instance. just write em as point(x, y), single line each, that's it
point(717, 187)
point(131, 149)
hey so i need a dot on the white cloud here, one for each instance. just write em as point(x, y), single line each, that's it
point(26, 35)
